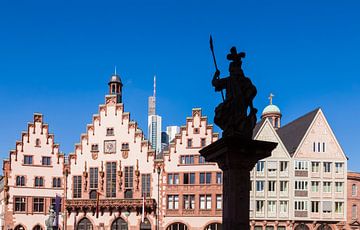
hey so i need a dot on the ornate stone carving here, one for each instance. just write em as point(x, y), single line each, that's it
point(85, 175)
point(137, 175)
point(120, 175)
point(102, 174)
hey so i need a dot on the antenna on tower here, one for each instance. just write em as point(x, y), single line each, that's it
point(154, 85)
point(115, 70)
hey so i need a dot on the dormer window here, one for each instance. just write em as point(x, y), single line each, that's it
point(37, 142)
point(94, 147)
point(110, 132)
point(125, 146)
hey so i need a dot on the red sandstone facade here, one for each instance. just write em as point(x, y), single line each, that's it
point(353, 200)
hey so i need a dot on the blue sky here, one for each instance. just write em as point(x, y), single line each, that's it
point(56, 58)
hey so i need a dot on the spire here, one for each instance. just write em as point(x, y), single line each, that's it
point(154, 86)
point(115, 70)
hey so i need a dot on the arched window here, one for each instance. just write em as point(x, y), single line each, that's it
point(177, 226)
point(302, 227)
point(37, 227)
point(353, 190)
point(19, 227)
point(354, 212)
point(119, 224)
point(92, 194)
point(213, 226)
point(145, 225)
point(84, 224)
point(324, 227)
point(20, 181)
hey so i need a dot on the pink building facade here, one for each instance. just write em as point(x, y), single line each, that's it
point(33, 177)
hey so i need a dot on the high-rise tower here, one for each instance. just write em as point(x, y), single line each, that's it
point(154, 123)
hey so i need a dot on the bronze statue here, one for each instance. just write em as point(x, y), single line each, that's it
point(236, 115)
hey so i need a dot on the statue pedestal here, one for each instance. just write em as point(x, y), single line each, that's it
point(236, 157)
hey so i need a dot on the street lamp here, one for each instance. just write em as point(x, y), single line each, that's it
point(157, 214)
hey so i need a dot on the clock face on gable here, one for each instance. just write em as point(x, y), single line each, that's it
point(109, 146)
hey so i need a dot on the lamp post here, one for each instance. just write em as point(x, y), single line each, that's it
point(158, 199)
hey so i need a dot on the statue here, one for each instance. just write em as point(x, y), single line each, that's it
point(236, 115)
point(50, 223)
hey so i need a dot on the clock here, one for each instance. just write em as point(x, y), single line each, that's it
point(109, 146)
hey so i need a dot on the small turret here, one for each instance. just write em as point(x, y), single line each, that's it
point(115, 87)
point(272, 112)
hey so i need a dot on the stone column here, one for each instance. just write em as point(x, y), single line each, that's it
point(236, 157)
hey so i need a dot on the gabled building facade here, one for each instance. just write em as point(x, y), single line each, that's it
point(33, 176)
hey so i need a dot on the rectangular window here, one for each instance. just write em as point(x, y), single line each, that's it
point(218, 201)
point(260, 186)
point(315, 186)
point(260, 166)
point(353, 190)
point(28, 160)
point(205, 202)
point(283, 166)
point(145, 185)
point(203, 142)
point(20, 204)
point(173, 202)
point(339, 187)
point(56, 183)
point(187, 159)
point(301, 165)
point(124, 146)
point(283, 186)
point(272, 206)
point(173, 178)
point(189, 143)
point(271, 186)
point(39, 181)
point(272, 166)
point(46, 161)
point(354, 212)
point(94, 147)
point(94, 173)
point(339, 167)
point(323, 146)
point(76, 186)
point(202, 160)
point(38, 204)
point(315, 206)
point(283, 206)
point(260, 206)
point(129, 174)
point(301, 185)
point(326, 186)
point(189, 201)
point(189, 178)
point(339, 207)
point(327, 167)
point(300, 205)
point(111, 179)
point(205, 178)
point(315, 167)
point(218, 178)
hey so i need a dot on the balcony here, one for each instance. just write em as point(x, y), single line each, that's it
point(110, 205)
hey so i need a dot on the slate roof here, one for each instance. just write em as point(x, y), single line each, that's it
point(257, 127)
point(292, 133)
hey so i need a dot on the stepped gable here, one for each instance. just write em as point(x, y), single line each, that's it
point(292, 133)
point(196, 127)
point(123, 118)
point(27, 139)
